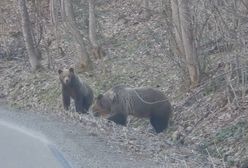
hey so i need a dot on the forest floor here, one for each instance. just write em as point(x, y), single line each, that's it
point(206, 130)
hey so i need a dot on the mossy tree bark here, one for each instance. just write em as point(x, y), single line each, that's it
point(184, 37)
point(67, 14)
point(33, 51)
point(96, 51)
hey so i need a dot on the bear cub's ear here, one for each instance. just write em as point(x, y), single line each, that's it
point(99, 96)
point(60, 71)
point(71, 70)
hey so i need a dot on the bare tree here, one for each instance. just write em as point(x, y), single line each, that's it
point(244, 6)
point(96, 51)
point(33, 52)
point(188, 42)
point(177, 27)
point(67, 15)
point(92, 23)
point(147, 11)
point(184, 38)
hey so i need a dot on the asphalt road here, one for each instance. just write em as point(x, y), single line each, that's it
point(74, 144)
point(23, 148)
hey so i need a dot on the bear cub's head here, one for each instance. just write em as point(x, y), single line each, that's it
point(66, 76)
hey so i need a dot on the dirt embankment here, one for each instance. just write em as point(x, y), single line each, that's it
point(206, 130)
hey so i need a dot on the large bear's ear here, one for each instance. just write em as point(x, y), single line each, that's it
point(111, 94)
point(60, 71)
point(71, 70)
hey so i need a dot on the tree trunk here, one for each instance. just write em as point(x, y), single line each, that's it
point(67, 15)
point(53, 12)
point(33, 52)
point(188, 42)
point(177, 28)
point(92, 23)
point(184, 38)
point(96, 50)
point(54, 20)
point(147, 10)
point(244, 6)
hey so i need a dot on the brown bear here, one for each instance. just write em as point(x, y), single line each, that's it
point(121, 101)
point(73, 88)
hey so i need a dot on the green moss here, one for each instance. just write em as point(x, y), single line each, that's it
point(210, 88)
point(15, 105)
point(216, 145)
point(230, 162)
point(234, 131)
point(209, 148)
point(50, 95)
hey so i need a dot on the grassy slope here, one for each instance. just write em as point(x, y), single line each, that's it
point(137, 54)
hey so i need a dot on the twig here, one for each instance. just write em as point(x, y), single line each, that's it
point(224, 165)
point(211, 159)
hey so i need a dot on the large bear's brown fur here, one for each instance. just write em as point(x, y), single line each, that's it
point(121, 101)
point(73, 88)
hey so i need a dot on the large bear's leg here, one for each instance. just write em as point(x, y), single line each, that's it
point(159, 123)
point(66, 99)
point(119, 118)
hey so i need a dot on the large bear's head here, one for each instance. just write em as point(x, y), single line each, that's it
point(103, 104)
point(66, 76)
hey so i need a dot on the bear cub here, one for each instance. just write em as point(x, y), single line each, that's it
point(73, 88)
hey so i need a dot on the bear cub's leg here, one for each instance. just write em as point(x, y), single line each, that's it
point(66, 100)
point(79, 106)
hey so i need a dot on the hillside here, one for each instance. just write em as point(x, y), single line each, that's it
point(207, 129)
